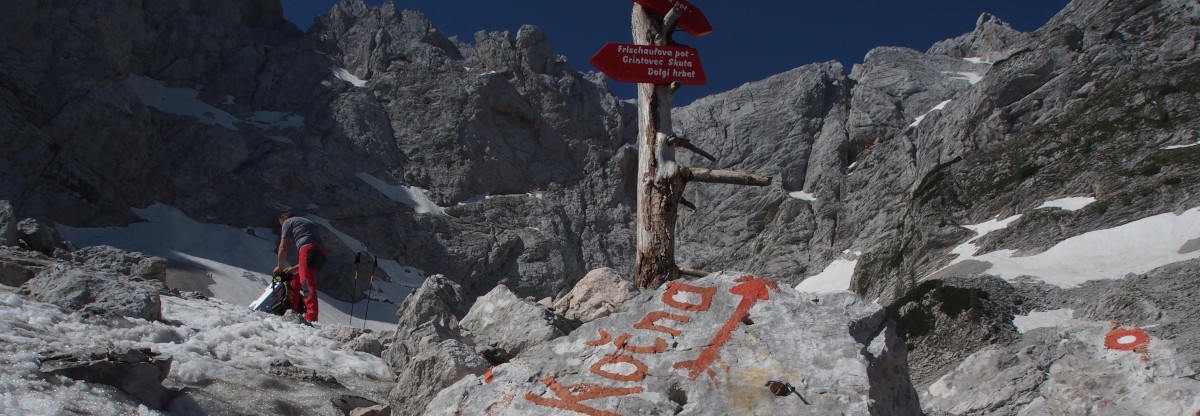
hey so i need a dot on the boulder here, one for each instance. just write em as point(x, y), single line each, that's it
point(427, 317)
point(354, 339)
point(360, 406)
point(18, 266)
point(600, 293)
point(502, 325)
point(137, 372)
point(944, 321)
point(723, 344)
point(368, 343)
point(41, 237)
point(432, 370)
point(8, 228)
point(135, 265)
point(94, 292)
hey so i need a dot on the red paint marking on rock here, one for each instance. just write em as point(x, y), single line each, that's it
point(751, 289)
point(1127, 339)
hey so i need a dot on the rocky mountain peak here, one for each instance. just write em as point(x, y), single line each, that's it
point(992, 40)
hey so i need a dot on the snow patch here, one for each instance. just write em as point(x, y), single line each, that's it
point(921, 118)
point(1180, 146)
point(277, 120)
point(228, 256)
point(344, 75)
point(971, 77)
point(835, 277)
point(1043, 319)
point(179, 101)
point(206, 339)
point(977, 60)
point(1137, 247)
point(968, 249)
point(803, 196)
point(486, 196)
point(408, 195)
point(1069, 204)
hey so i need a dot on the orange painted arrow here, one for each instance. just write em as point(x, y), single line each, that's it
point(752, 290)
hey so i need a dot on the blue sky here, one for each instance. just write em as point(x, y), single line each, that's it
point(750, 41)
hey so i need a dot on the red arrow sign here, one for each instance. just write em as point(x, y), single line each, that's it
point(650, 64)
point(692, 20)
point(751, 289)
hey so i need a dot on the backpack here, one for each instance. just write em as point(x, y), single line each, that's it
point(275, 298)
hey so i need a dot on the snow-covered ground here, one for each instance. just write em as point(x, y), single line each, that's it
point(232, 258)
point(408, 195)
point(209, 341)
point(1137, 247)
point(835, 277)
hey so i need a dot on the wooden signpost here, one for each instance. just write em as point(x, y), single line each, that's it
point(660, 66)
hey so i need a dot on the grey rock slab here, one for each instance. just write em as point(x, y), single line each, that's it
point(137, 372)
point(17, 266)
point(8, 226)
point(42, 237)
point(1068, 371)
point(94, 292)
point(432, 370)
point(706, 346)
point(501, 325)
point(600, 293)
point(427, 317)
point(134, 265)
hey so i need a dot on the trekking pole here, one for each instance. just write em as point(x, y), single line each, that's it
point(372, 289)
point(357, 257)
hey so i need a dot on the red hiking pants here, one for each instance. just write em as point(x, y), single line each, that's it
point(312, 258)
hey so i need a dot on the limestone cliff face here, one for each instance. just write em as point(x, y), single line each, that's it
point(524, 169)
point(894, 156)
point(231, 114)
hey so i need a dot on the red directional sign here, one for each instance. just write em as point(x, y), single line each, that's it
point(650, 64)
point(692, 20)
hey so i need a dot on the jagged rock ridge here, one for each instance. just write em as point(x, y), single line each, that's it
point(888, 161)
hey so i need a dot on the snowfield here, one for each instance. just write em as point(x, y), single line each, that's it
point(1137, 247)
point(211, 342)
point(232, 259)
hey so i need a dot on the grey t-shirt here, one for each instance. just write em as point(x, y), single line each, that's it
point(301, 231)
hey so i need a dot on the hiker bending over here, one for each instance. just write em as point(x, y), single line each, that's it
point(301, 233)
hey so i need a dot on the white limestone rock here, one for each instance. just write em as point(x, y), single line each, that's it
point(600, 293)
point(502, 325)
point(708, 346)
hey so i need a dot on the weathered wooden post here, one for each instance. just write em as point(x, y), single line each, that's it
point(660, 67)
